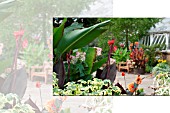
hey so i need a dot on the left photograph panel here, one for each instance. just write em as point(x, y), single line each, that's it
point(26, 53)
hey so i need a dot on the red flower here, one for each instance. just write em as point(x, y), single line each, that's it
point(110, 42)
point(123, 74)
point(18, 33)
point(38, 84)
point(114, 48)
point(136, 43)
point(25, 43)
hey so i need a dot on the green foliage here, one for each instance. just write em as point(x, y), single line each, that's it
point(126, 30)
point(34, 54)
point(140, 92)
point(159, 68)
point(76, 38)
point(163, 83)
point(16, 105)
point(90, 58)
point(84, 63)
point(152, 61)
point(90, 87)
point(121, 55)
point(162, 78)
point(148, 68)
point(71, 40)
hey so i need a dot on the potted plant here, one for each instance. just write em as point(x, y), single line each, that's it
point(139, 58)
point(121, 55)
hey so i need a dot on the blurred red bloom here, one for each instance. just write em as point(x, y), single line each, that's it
point(18, 33)
point(136, 43)
point(25, 43)
point(114, 48)
point(123, 74)
point(110, 42)
point(38, 84)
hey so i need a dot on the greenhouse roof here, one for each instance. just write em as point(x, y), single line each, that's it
point(161, 27)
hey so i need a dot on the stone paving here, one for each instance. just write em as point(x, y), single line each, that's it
point(131, 77)
point(74, 102)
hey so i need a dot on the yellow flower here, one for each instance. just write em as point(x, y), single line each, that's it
point(159, 61)
point(164, 61)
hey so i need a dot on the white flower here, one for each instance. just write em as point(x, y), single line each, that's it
point(73, 59)
point(98, 50)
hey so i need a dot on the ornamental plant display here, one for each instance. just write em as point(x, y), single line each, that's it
point(161, 67)
point(11, 103)
point(138, 56)
point(132, 87)
point(162, 81)
point(34, 54)
point(82, 63)
point(86, 88)
point(65, 40)
point(152, 58)
point(121, 55)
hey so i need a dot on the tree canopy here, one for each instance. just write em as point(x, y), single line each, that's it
point(127, 29)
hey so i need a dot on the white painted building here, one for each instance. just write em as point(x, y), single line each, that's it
point(159, 35)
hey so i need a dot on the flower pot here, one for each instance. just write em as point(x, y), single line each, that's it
point(141, 71)
point(135, 70)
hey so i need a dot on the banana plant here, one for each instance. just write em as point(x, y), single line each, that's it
point(63, 42)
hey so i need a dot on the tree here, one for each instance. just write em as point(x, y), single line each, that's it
point(128, 29)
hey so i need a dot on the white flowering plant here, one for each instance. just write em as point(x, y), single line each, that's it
point(83, 62)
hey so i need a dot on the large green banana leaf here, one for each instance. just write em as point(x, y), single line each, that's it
point(58, 33)
point(90, 58)
point(79, 38)
point(98, 64)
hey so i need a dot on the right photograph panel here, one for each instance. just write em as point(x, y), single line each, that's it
point(111, 56)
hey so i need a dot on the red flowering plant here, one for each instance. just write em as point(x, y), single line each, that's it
point(138, 56)
point(111, 48)
point(123, 74)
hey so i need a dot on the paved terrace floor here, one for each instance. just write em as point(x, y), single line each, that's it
point(74, 102)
